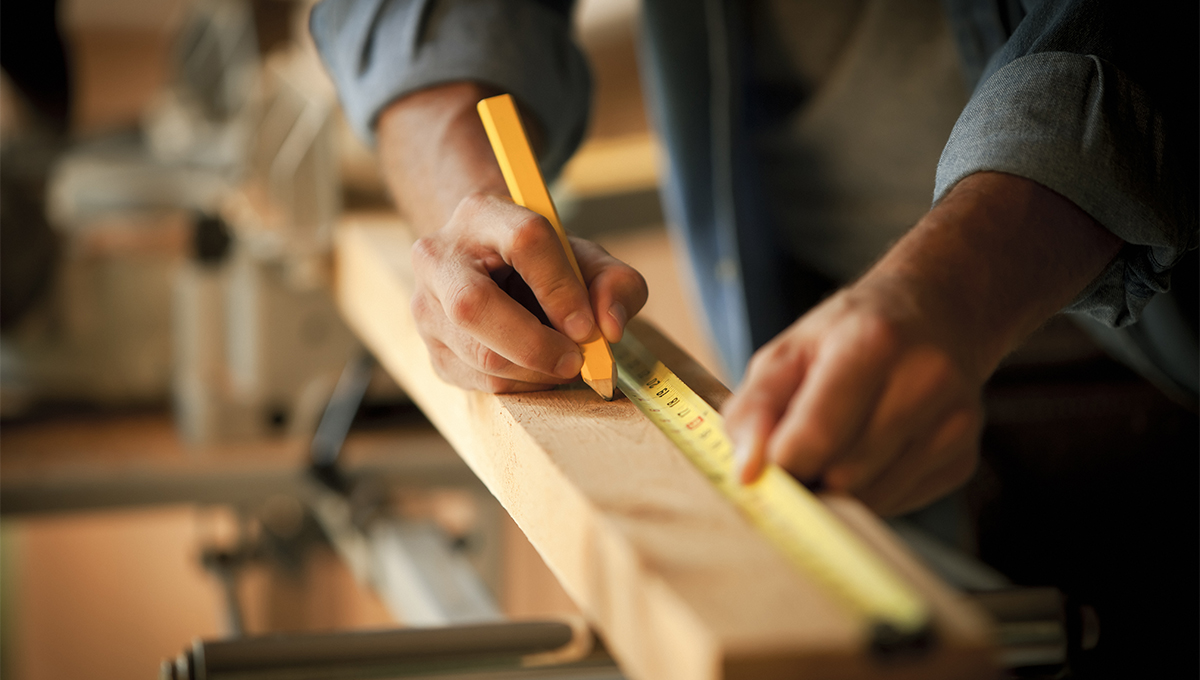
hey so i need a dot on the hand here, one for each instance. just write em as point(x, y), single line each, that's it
point(877, 391)
point(488, 281)
point(863, 396)
point(488, 272)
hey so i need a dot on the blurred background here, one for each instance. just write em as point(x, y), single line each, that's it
point(176, 385)
point(173, 171)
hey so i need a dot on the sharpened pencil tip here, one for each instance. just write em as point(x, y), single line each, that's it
point(602, 387)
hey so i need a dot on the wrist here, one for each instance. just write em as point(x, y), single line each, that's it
point(990, 263)
point(434, 153)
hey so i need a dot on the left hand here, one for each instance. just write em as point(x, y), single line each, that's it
point(877, 391)
point(863, 396)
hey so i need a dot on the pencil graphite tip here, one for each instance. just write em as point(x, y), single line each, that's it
point(602, 386)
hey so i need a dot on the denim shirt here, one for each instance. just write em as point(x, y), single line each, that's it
point(1096, 101)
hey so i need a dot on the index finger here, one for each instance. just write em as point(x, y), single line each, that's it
point(830, 411)
point(772, 377)
point(473, 302)
point(530, 244)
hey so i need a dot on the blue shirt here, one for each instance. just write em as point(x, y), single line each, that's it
point(1095, 100)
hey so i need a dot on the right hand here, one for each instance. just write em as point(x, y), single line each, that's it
point(487, 280)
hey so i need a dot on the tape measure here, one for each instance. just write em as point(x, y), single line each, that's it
point(789, 515)
point(785, 512)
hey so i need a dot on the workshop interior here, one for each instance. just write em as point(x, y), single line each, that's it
point(205, 473)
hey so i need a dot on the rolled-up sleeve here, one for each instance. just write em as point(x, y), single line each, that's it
point(380, 50)
point(1075, 103)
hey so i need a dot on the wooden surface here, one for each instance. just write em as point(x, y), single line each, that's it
point(677, 583)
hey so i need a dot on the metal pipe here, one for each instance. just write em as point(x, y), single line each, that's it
point(365, 654)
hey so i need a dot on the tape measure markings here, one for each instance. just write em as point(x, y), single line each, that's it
point(788, 515)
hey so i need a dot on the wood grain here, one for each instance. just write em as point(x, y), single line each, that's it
point(672, 577)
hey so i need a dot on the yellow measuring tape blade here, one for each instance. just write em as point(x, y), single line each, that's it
point(785, 512)
point(788, 515)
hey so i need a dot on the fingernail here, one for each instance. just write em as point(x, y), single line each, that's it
point(569, 365)
point(743, 453)
point(617, 312)
point(578, 326)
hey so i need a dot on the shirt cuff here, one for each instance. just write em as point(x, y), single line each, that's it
point(380, 50)
point(1078, 126)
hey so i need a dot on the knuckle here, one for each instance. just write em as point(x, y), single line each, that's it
point(531, 233)
point(534, 359)
point(465, 304)
point(558, 290)
point(490, 361)
point(879, 333)
point(424, 252)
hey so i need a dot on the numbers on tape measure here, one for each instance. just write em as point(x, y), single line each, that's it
point(783, 511)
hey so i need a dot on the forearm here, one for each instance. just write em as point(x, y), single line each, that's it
point(434, 153)
point(403, 70)
point(991, 262)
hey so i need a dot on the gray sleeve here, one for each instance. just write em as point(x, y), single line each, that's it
point(380, 50)
point(1067, 104)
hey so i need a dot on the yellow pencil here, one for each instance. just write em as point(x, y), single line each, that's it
point(528, 189)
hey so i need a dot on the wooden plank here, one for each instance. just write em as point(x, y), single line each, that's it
point(677, 583)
